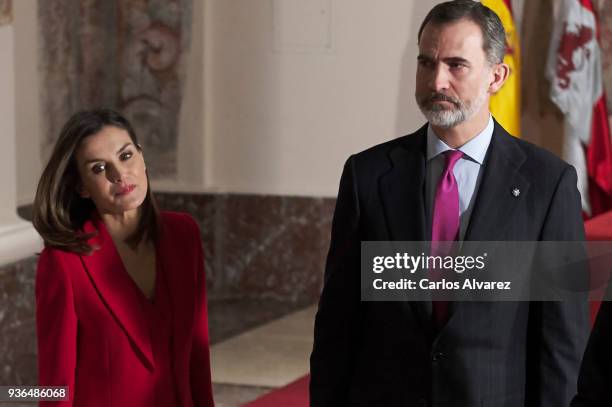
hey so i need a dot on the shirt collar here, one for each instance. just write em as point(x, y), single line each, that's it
point(476, 148)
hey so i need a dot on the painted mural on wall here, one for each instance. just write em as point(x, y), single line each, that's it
point(6, 16)
point(126, 54)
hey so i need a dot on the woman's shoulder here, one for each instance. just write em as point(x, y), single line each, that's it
point(56, 255)
point(178, 222)
point(54, 262)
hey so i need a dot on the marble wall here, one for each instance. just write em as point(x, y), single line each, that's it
point(17, 323)
point(126, 54)
point(260, 246)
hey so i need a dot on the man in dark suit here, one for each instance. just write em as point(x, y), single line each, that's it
point(499, 188)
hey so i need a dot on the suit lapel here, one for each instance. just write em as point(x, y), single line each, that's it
point(113, 284)
point(402, 195)
point(495, 203)
point(402, 189)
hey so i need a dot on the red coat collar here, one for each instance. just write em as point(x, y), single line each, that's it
point(108, 274)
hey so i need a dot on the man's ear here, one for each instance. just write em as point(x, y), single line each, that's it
point(500, 73)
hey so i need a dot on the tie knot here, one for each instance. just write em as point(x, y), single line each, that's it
point(452, 156)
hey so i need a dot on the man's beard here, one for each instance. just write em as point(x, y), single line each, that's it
point(446, 118)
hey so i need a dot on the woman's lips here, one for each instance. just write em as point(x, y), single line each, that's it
point(125, 190)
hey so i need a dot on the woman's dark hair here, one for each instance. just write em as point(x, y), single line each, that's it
point(59, 210)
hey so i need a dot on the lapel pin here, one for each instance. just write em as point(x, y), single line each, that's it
point(516, 192)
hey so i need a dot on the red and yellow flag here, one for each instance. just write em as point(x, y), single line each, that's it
point(505, 105)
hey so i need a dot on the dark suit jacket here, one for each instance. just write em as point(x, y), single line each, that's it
point(93, 334)
point(488, 354)
point(595, 380)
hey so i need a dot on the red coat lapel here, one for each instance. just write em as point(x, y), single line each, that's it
point(176, 252)
point(113, 284)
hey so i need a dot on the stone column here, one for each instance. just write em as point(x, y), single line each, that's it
point(18, 239)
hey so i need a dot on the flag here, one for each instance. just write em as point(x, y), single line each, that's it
point(505, 105)
point(574, 69)
point(599, 160)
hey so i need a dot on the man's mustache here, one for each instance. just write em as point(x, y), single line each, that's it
point(440, 97)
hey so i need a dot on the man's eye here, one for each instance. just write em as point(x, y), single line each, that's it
point(98, 168)
point(126, 156)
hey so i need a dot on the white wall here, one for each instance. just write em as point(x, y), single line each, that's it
point(7, 125)
point(278, 95)
point(191, 141)
point(287, 105)
point(27, 100)
point(17, 238)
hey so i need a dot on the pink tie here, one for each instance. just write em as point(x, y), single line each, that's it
point(445, 222)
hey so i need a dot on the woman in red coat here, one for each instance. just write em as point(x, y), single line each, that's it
point(120, 288)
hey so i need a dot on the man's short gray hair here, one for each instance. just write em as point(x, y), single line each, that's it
point(493, 33)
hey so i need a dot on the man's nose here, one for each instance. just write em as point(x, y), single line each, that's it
point(439, 80)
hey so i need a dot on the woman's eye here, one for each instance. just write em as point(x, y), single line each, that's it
point(126, 156)
point(98, 168)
